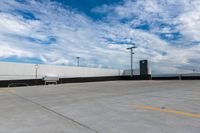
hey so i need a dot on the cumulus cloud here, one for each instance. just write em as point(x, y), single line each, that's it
point(54, 34)
point(190, 22)
point(166, 31)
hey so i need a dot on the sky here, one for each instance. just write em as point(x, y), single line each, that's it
point(166, 32)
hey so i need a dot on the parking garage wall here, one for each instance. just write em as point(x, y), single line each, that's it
point(19, 71)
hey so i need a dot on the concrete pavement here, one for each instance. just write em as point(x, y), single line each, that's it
point(102, 107)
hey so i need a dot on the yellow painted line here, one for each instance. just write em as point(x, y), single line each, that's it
point(7, 90)
point(168, 111)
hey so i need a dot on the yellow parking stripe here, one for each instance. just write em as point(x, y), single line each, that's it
point(168, 111)
point(7, 90)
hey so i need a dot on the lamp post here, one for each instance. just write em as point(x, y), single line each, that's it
point(78, 61)
point(36, 71)
point(131, 50)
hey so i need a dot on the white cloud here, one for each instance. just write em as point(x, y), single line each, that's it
point(8, 51)
point(189, 22)
point(177, 16)
point(75, 34)
point(78, 35)
point(13, 24)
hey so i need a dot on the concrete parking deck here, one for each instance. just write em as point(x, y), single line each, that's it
point(102, 107)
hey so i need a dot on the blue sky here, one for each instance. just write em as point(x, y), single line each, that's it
point(166, 33)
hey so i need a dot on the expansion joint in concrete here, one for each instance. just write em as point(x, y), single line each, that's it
point(58, 114)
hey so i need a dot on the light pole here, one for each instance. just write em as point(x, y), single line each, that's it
point(131, 50)
point(36, 70)
point(78, 61)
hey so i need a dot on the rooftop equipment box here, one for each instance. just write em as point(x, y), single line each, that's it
point(144, 69)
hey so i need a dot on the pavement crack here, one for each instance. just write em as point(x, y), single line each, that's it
point(58, 114)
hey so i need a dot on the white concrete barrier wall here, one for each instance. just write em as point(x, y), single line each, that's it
point(135, 72)
point(14, 71)
point(128, 72)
